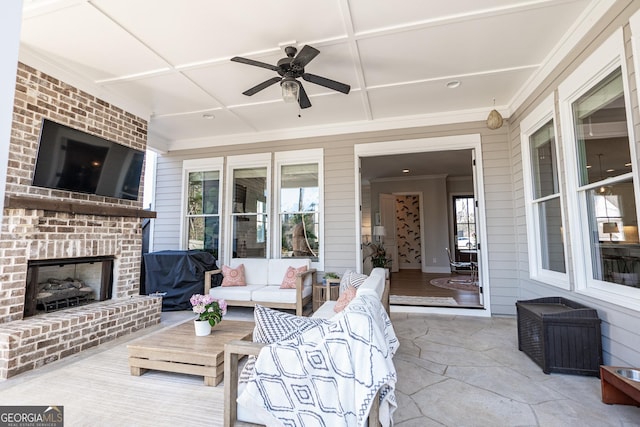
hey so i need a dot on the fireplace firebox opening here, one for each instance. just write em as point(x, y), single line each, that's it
point(56, 284)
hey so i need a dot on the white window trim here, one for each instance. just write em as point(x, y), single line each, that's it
point(198, 165)
point(609, 56)
point(634, 25)
point(528, 126)
point(283, 158)
point(245, 161)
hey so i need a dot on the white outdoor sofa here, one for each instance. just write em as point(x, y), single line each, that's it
point(376, 283)
point(264, 277)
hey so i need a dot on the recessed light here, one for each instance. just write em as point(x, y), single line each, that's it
point(405, 170)
point(208, 116)
point(453, 84)
point(588, 166)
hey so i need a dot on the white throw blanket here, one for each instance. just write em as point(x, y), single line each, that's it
point(328, 375)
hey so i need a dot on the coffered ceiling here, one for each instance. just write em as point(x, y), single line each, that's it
point(169, 60)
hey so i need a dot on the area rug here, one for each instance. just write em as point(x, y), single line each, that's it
point(456, 283)
point(424, 301)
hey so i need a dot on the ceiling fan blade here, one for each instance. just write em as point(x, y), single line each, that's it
point(303, 99)
point(323, 81)
point(255, 63)
point(305, 55)
point(257, 88)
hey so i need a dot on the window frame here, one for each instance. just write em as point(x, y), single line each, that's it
point(298, 157)
point(606, 59)
point(245, 161)
point(538, 118)
point(213, 164)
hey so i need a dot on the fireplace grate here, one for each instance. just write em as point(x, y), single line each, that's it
point(65, 302)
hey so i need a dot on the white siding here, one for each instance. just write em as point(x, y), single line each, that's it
point(340, 203)
point(620, 335)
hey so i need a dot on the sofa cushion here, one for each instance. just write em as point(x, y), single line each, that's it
point(351, 278)
point(233, 276)
point(375, 282)
point(278, 268)
point(255, 270)
point(275, 325)
point(275, 294)
point(234, 293)
point(345, 298)
point(290, 277)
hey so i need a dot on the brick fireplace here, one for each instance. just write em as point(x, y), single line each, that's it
point(41, 225)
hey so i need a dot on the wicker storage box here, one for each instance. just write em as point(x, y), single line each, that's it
point(560, 335)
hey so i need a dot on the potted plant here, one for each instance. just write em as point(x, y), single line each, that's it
point(209, 311)
point(329, 275)
point(378, 256)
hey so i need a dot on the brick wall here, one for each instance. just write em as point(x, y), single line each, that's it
point(29, 234)
point(38, 340)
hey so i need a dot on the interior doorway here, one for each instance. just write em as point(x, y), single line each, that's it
point(425, 178)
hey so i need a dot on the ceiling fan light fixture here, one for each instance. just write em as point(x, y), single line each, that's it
point(290, 89)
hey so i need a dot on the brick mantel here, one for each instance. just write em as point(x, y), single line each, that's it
point(22, 202)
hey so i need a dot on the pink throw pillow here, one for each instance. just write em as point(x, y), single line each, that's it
point(345, 298)
point(233, 276)
point(289, 281)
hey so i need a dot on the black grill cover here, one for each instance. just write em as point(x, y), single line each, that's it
point(178, 273)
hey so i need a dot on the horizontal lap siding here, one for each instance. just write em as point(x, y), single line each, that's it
point(499, 211)
point(168, 204)
point(620, 335)
point(340, 210)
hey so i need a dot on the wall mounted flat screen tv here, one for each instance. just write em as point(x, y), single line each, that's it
point(69, 159)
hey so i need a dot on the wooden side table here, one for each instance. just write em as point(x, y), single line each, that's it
point(320, 294)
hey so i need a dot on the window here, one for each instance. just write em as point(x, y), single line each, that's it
point(465, 223)
point(299, 216)
point(249, 216)
point(202, 210)
point(601, 166)
point(606, 181)
point(299, 204)
point(545, 230)
point(247, 206)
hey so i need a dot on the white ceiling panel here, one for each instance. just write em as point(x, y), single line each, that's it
point(198, 30)
point(376, 15)
point(475, 92)
point(490, 43)
point(167, 93)
point(170, 59)
point(82, 35)
point(194, 126)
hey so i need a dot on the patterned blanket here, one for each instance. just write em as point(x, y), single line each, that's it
point(328, 375)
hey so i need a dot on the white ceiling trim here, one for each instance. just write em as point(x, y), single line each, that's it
point(319, 131)
point(457, 76)
point(355, 53)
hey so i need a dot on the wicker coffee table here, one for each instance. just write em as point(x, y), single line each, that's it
point(178, 349)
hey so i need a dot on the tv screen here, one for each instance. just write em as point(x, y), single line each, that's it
point(69, 159)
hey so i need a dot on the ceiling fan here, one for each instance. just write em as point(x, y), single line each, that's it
point(289, 69)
